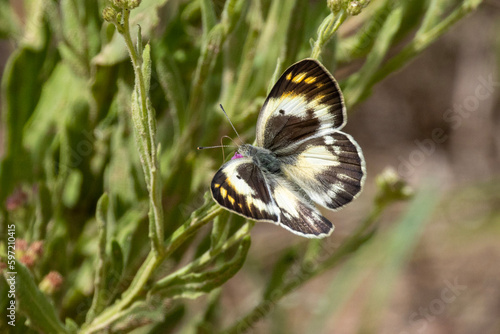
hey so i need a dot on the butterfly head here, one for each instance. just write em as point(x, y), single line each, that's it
point(244, 150)
point(237, 156)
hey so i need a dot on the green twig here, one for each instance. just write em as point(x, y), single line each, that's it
point(205, 258)
point(145, 128)
point(423, 39)
point(199, 218)
point(97, 301)
point(326, 30)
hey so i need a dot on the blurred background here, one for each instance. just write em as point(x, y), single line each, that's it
point(436, 122)
point(452, 88)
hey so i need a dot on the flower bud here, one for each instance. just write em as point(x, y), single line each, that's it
point(109, 14)
point(133, 4)
point(391, 187)
point(335, 5)
point(354, 8)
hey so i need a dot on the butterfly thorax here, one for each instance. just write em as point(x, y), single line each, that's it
point(263, 158)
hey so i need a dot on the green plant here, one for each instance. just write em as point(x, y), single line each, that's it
point(119, 217)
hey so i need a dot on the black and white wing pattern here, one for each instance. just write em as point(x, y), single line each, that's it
point(242, 187)
point(301, 157)
point(329, 169)
point(305, 102)
point(297, 211)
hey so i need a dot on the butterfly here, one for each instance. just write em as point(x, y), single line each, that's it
point(301, 157)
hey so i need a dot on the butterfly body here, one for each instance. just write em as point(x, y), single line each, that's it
point(263, 158)
point(301, 158)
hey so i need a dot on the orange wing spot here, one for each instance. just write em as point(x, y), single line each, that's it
point(290, 95)
point(241, 206)
point(228, 182)
point(223, 192)
point(318, 98)
point(216, 185)
point(289, 76)
point(299, 77)
point(309, 80)
point(319, 84)
point(249, 204)
point(230, 199)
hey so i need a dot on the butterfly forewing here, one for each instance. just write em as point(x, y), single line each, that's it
point(240, 186)
point(329, 169)
point(305, 101)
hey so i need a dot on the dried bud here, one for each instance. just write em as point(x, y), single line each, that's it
point(21, 245)
point(51, 283)
point(28, 260)
point(17, 199)
point(37, 248)
point(29, 255)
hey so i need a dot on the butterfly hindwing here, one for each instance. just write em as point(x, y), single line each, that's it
point(297, 212)
point(305, 101)
point(329, 169)
point(240, 186)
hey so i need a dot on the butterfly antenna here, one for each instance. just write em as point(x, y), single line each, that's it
point(230, 122)
point(216, 146)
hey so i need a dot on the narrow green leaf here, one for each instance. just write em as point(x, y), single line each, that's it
point(358, 84)
point(280, 271)
point(220, 231)
point(208, 17)
point(62, 104)
point(362, 42)
point(20, 94)
point(34, 304)
point(73, 29)
point(34, 33)
point(98, 301)
point(139, 45)
point(435, 11)
point(146, 66)
point(194, 285)
point(138, 315)
point(43, 211)
point(9, 23)
point(170, 79)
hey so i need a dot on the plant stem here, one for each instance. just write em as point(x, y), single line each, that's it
point(359, 237)
point(326, 30)
point(423, 40)
point(205, 258)
point(146, 132)
point(202, 216)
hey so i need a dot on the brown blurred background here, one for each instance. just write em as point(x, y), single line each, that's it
point(436, 120)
